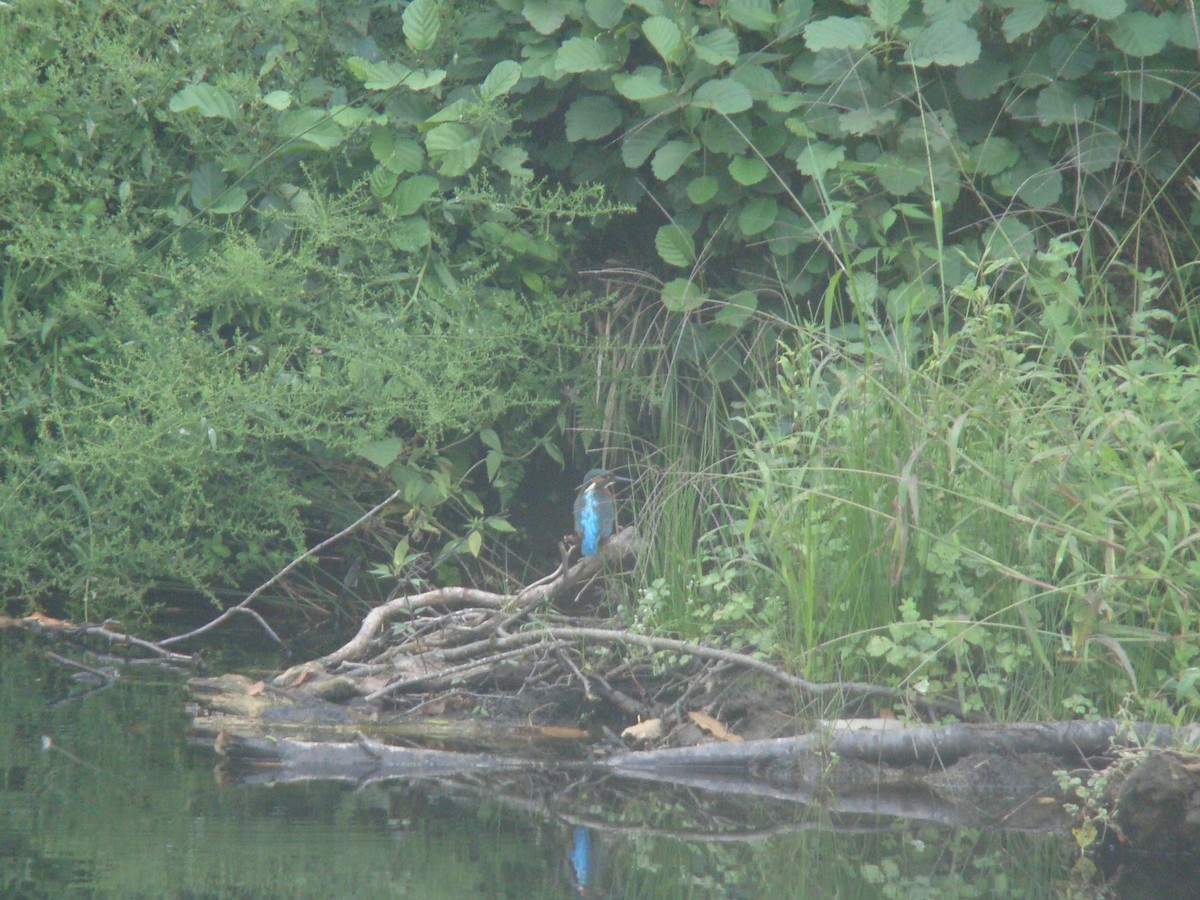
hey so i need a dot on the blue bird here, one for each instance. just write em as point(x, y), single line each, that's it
point(595, 509)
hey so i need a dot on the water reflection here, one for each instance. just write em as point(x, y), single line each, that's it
point(118, 804)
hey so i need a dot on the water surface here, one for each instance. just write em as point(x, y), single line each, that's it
point(103, 795)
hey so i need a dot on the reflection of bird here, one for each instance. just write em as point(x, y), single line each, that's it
point(595, 509)
point(581, 857)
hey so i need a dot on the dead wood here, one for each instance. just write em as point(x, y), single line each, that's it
point(458, 635)
point(895, 743)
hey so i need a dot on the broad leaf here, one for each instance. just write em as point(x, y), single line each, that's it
point(421, 19)
point(670, 157)
point(453, 146)
point(642, 140)
point(758, 215)
point(1059, 103)
point(311, 125)
point(664, 37)
point(206, 99)
point(1024, 18)
point(887, 13)
point(754, 15)
point(413, 193)
point(838, 33)
point(1101, 9)
point(1140, 34)
point(592, 117)
point(717, 47)
point(737, 309)
point(675, 246)
point(378, 76)
point(581, 55)
point(681, 296)
point(278, 100)
point(701, 190)
point(382, 452)
point(642, 85)
point(944, 42)
point(504, 75)
point(725, 95)
point(544, 15)
point(818, 158)
point(748, 170)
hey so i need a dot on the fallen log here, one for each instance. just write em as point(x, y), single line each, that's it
point(895, 743)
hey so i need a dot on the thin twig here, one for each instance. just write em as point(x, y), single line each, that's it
point(196, 632)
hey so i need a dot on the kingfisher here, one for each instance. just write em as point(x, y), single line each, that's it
point(595, 509)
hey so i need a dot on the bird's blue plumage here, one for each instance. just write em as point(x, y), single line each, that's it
point(595, 510)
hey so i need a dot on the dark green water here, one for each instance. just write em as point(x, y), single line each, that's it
point(103, 796)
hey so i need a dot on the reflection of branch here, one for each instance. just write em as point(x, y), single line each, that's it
point(243, 606)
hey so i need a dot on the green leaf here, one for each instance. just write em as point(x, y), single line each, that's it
point(1010, 237)
point(422, 79)
point(592, 117)
point(495, 523)
point(670, 157)
point(490, 439)
point(993, 155)
point(716, 48)
point(944, 42)
point(887, 13)
point(493, 460)
point(278, 99)
point(818, 158)
point(1097, 150)
point(642, 140)
point(1101, 9)
point(311, 125)
point(725, 95)
point(664, 37)
point(702, 189)
point(378, 76)
point(546, 16)
point(675, 246)
point(453, 146)
point(504, 75)
point(1140, 34)
point(642, 85)
point(758, 215)
point(229, 201)
point(399, 156)
point(735, 311)
point(838, 33)
point(681, 296)
point(211, 102)
point(900, 175)
point(413, 193)
point(382, 182)
point(421, 19)
point(1024, 18)
point(755, 15)
point(411, 234)
point(382, 452)
point(474, 542)
point(605, 13)
point(981, 79)
point(1036, 184)
point(748, 170)
point(581, 55)
point(1059, 103)
point(512, 160)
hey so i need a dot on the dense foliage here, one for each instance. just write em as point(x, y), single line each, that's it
point(896, 315)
